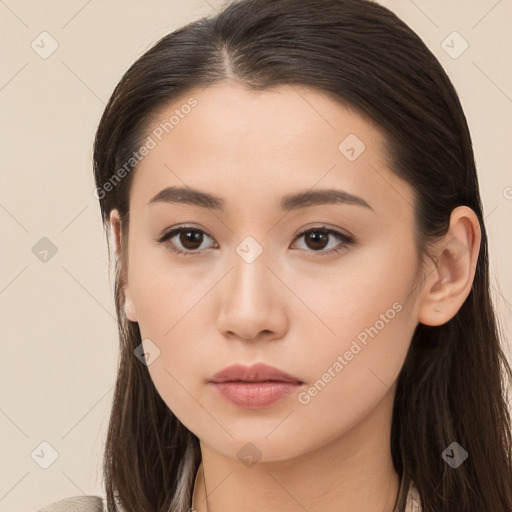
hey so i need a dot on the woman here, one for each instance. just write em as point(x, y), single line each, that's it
point(301, 273)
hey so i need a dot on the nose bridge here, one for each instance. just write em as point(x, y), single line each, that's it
point(248, 304)
point(250, 276)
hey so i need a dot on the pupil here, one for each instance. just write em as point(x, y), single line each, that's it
point(188, 241)
point(318, 236)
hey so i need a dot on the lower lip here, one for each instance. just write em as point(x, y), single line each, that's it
point(254, 395)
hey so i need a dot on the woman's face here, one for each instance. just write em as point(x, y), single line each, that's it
point(253, 287)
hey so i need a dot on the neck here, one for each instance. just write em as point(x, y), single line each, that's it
point(352, 472)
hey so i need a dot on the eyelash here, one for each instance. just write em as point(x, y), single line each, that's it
point(345, 239)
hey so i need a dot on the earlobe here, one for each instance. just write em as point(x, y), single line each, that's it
point(449, 283)
point(129, 308)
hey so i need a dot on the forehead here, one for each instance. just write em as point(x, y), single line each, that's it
point(253, 147)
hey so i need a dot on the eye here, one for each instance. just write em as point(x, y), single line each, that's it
point(190, 239)
point(318, 239)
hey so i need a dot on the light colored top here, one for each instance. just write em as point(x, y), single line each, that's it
point(77, 504)
point(97, 504)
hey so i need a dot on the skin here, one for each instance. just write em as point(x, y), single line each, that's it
point(291, 307)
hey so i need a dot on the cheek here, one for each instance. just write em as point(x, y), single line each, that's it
point(367, 322)
point(351, 373)
point(354, 365)
point(364, 297)
point(165, 293)
point(172, 308)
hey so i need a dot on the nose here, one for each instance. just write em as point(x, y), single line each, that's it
point(251, 302)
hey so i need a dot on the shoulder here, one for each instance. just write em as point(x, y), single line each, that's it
point(77, 504)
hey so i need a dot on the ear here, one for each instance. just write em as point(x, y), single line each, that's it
point(449, 282)
point(116, 232)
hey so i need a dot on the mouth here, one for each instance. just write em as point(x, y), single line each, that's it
point(254, 387)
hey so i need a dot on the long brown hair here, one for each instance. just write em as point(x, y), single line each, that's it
point(455, 380)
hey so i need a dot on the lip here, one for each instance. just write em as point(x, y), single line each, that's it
point(258, 372)
point(254, 387)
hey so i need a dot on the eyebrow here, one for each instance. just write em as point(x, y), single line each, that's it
point(187, 195)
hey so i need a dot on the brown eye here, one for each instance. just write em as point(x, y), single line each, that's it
point(317, 239)
point(190, 238)
point(187, 240)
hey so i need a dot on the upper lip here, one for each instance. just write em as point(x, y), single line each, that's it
point(256, 373)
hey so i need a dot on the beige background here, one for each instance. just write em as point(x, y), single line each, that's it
point(59, 341)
